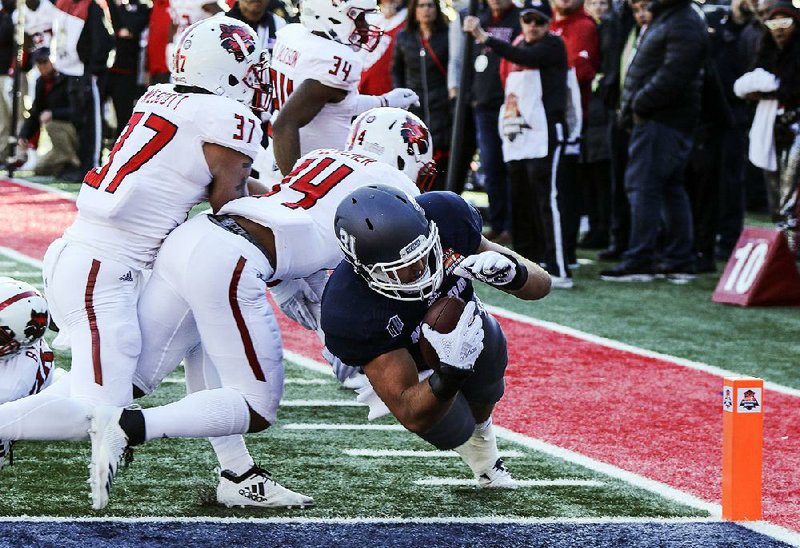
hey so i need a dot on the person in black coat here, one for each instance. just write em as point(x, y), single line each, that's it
point(421, 54)
point(661, 102)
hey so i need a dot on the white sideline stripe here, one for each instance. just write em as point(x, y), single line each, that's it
point(435, 482)
point(321, 403)
point(44, 188)
point(19, 257)
point(305, 381)
point(174, 380)
point(610, 470)
point(617, 345)
point(22, 273)
point(308, 363)
point(6, 264)
point(312, 426)
point(417, 454)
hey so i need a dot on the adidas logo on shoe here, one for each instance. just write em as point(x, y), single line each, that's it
point(128, 277)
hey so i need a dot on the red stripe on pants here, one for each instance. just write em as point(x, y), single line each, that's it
point(249, 350)
point(89, 300)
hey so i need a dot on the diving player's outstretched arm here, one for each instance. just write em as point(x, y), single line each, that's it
point(538, 283)
point(301, 107)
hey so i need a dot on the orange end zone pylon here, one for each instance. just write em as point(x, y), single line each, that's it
point(742, 433)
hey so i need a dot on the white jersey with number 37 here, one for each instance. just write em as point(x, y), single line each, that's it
point(157, 171)
point(300, 211)
point(298, 56)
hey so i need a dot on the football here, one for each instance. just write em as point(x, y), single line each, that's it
point(442, 316)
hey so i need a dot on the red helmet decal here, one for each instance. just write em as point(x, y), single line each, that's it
point(415, 133)
point(227, 36)
point(37, 325)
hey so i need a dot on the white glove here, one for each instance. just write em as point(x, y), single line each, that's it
point(460, 348)
point(299, 301)
point(488, 267)
point(400, 98)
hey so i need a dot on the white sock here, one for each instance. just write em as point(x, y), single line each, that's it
point(480, 427)
point(204, 414)
point(232, 454)
point(45, 416)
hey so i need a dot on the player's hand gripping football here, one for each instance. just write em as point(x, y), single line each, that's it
point(488, 267)
point(301, 299)
point(458, 350)
point(400, 98)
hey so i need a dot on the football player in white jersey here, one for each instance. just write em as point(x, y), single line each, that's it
point(185, 143)
point(208, 286)
point(315, 72)
point(184, 14)
point(26, 362)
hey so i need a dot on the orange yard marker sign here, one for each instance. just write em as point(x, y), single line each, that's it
point(742, 427)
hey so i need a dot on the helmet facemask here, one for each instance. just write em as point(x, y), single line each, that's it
point(385, 278)
point(365, 35)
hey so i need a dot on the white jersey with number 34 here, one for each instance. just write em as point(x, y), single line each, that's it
point(298, 56)
point(157, 171)
point(301, 209)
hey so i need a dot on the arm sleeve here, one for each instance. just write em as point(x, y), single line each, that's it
point(685, 53)
point(541, 54)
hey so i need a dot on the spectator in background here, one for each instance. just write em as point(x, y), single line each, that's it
point(630, 20)
point(256, 14)
point(129, 19)
point(421, 55)
point(500, 21)
point(376, 76)
point(7, 54)
point(158, 37)
point(661, 101)
point(81, 47)
point(185, 13)
point(579, 32)
point(594, 168)
point(51, 111)
point(534, 74)
point(775, 83)
point(39, 16)
point(732, 56)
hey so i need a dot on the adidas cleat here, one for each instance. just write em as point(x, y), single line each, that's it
point(109, 444)
point(496, 477)
point(256, 488)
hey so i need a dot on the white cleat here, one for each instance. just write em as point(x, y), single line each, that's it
point(496, 477)
point(256, 488)
point(480, 453)
point(109, 442)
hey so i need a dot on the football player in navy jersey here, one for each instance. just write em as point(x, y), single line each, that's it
point(402, 255)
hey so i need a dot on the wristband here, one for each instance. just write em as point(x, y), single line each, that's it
point(520, 275)
point(445, 386)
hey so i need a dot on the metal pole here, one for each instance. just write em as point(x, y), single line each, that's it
point(456, 142)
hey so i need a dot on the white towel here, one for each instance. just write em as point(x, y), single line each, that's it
point(755, 81)
point(762, 140)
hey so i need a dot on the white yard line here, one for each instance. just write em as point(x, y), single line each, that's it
point(416, 454)
point(321, 403)
point(436, 482)
point(306, 382)
point(318, 426)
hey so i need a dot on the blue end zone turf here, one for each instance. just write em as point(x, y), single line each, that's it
point(145, 534)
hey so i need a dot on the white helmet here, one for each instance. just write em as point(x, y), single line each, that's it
point(396, 137)
point(344, 21)
point(219, 55)
point(23, 315)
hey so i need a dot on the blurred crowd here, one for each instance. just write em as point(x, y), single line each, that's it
point(660, 122)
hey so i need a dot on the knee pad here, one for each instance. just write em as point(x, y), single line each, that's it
point(454, 429)
point(487, 384)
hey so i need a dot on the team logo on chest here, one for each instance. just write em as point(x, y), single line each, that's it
point(237, 41)
point(395, 326)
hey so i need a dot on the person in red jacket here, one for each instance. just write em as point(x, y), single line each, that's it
point(579, 32)
point(376, 76)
